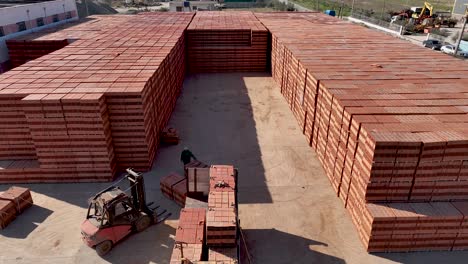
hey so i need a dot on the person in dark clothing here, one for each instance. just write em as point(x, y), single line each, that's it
point(186, 156)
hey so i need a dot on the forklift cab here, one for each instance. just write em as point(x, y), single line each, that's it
point(112, 208)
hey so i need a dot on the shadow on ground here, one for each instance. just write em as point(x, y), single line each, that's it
point(26, 222)
point(153, 245)
point(279, 247)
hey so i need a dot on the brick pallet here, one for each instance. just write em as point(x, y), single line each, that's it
point(221, 218)
point(226, 42)
point(19, 196)
point(174, 187)
point(383, 131)
point(7, 213)
point(96, 106)
point(22, 51)
point(189, 235)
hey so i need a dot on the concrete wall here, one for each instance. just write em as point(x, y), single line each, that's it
point(10, 16)
point(459, 7)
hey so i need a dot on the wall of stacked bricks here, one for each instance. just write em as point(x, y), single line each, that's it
point(96, 106)
point(389, 129)
point(226, 42)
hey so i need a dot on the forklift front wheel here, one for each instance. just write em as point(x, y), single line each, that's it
point(143, 223)
point(104, 247)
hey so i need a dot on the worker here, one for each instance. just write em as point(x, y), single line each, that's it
point(186, 156)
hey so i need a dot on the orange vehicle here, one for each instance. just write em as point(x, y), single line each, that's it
point(113, 215)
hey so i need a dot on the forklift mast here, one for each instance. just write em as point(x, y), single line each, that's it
point(137, 186)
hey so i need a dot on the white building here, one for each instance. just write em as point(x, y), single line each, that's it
point(17, 18)
point(187, 6)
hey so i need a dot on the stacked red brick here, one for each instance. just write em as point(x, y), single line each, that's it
point(174, 187)
point(190, 235)
point(226, 42)
point(99, 104)
point(386, 126)
point(221, 219)
point(12, 203)
point(22, 51)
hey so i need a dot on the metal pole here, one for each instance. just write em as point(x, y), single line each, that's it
point(352, 8)
point(318, 6)
point(460, 36)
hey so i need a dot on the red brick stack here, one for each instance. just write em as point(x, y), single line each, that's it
point(174, 187)
point(22, 51)
point(97, 105)
point(221, 219)
point(13, 202)
point(7, 213)
point(190, 235)
point(198, 181)
point(19, 196)
point(385, 127)
point(226, 42)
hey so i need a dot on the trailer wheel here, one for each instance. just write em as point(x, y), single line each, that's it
point(451, 25)
point(142, 223)
point(104, 247)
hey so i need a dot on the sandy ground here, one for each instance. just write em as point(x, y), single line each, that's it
point(287, 210)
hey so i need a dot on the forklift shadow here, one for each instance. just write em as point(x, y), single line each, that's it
point(27, 222)
point(154, 245)
point(279, 247)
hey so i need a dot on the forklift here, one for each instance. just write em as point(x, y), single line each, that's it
point(113, 215)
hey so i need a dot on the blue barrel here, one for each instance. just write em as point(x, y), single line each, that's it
point(330, 12)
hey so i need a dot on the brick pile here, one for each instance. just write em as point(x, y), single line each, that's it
point(221, 218)
point(226, 42)
point(198, 180)
point(7, 213)
point(386, 127)
point(190, 235)
point(97, 105)
point(174, 187)
point(13, 202)
point(22, 51)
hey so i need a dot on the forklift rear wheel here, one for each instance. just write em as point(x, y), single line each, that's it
point(143, 223)
point(104, 247)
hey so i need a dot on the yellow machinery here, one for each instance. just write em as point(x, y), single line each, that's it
point(422, 13)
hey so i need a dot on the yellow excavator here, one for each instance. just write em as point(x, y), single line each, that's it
point(421, 13)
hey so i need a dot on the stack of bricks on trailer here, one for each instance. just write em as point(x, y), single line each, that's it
point(190, 235)
point(97, 105)
point(221, 219)
point(226, 42)
point(389, 128)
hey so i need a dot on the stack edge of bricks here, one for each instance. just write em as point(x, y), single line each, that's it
point(390, 132)
point(221, 219)
point(190, 235)
point(174, 187)
point(22, 51)
point(12, 203)
point(96, 106)
point(226, 42)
